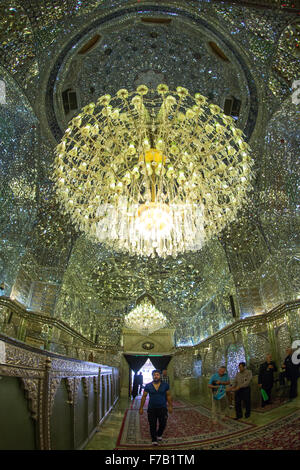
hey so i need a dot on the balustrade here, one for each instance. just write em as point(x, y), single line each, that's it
point(48, 401)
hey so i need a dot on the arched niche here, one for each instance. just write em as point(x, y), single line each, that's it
point(283, 340)
point(220, 358)
point(161, 341)
point(280, 164)
point(208, 362)
point(259, 346)
point(235, 355)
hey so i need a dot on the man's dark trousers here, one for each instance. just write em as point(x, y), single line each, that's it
point(154, 414)
point(293, 388)
point(292, 374)
point(243, 394)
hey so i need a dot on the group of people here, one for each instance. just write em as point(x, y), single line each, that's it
point(137, 386)
point(220, 385)
point(160, 400)
point(222, 389)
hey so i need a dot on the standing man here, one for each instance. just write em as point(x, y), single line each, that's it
point(135, 386)
point(218, 405)
point(165, 377)
point(159, 395)
point(266, 378)
point(241, 387)
point(140, 381)
point(291, 372)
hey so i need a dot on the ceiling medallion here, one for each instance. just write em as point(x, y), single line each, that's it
point(152, 173)
point(150, 78)
point(148, 346)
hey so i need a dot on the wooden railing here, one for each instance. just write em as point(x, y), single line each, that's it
point(48, 401)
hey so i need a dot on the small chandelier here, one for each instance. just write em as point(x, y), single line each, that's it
point(152, 173)
point(145, 318)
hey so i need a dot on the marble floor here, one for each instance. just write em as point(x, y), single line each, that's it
point(106, 437)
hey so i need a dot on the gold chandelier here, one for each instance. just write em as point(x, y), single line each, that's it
point(145, 318)
point(152, 172)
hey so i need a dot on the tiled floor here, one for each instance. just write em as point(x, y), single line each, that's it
point(109, 431)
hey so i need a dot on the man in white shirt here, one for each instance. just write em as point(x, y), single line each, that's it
point(241, 387)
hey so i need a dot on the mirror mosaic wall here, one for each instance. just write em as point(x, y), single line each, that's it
point(57, 56)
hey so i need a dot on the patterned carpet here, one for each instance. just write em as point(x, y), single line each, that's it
point(187, 426)
point(275, 404)
point(190, 427)
point(135, 405)
point(281, 434)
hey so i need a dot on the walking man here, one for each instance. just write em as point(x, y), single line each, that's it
point(159, 395)
point(241, 387)
point(266, 378)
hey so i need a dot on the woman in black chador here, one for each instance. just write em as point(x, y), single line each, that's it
point(266, 378)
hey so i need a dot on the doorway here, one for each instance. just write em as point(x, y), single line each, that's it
point(146, 370)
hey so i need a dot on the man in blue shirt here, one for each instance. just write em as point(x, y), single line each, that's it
point(216, 383)
point(159, 395)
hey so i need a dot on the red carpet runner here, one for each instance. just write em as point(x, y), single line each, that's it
point(187, 425)
point(190, 427)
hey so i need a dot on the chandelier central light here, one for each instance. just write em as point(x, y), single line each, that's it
point(145, 318)
point(154, 220)
point(152, 172)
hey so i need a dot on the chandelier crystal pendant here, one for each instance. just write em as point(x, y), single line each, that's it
point(152, 172)
point(145, 319)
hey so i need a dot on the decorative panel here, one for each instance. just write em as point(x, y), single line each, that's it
point(284, 340)
point(43, 297)
point(235, 354)
point(18, 429)
point(259, 346)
